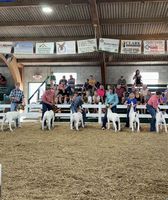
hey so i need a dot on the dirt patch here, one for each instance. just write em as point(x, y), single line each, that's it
point(87, 165)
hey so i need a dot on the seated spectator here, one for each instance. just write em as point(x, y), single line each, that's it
point(61, 88)
point(89, 97)
point(3, 80)
point(138, 97)
point(63, 80)
point(101, 93)
point(121, 81)
point(97, 85)
point(92, 82)
point(86, 85)
point(143, 93)
point(147, 97)
point(96, 98)
point(137, 77)
point(120, 90)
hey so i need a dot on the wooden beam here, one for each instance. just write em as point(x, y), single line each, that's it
point(103, 70)
point(28, 3)
point(162, 36)
point(46, 23)
point(95, 18)
point(13, 68)
point(134, 20)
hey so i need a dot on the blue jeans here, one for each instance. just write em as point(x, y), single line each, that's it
point(104, 120)
point(152, 111)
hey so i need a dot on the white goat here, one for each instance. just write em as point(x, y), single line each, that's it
point(10, 117)
point(49, 118)
point(114, 117)
point(76, 118)
point(160, 119)
point(133, 118)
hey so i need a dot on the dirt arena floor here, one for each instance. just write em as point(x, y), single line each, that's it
point(87, 165)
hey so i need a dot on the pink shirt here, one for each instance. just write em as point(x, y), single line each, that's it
point(101, 92)
point(153, 101)
point(48, 96)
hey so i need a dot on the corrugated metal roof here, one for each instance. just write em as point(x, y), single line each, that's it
point(134, 29)
point(133, 10)
point(53, 31)
point(60, 12)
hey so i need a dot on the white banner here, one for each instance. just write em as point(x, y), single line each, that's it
point(45, 48)
point(110, 45)
point(66, 47)
point(86, 46)
point(131, 46)
point(154, 47)
point(6, 47)
point(23, 48)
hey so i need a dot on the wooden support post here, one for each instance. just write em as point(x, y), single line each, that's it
point(14, 69)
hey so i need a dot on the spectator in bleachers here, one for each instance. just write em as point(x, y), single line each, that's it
point(138, 78)
point(86, 85)
point(3, 80)
point(131, 99)
point(147, 97)
point(120, 91)
point(143, 93)
point(63, 80)
point(52, 79)
point(61, 88)
point(152, 107)
point(96, 98)
point(138, 96)
point(121, 81)
point(101, 93)
point(132, 89)
point(92, 83)
point(112, 100)
point(71, 84)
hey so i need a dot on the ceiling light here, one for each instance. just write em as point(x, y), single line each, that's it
point(47, 9)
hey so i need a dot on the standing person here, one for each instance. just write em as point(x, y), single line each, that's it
point(152, 107)
point(76, 102)
point(48, 100)
point(17, 97)
point(71, 84)
point(112, 100)
point(138, 78)
point(52, 79)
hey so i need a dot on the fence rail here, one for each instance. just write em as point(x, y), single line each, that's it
point(33, 111)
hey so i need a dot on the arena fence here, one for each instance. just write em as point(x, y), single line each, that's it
point(32, 112)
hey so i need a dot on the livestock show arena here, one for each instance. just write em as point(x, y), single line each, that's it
point(83, 100)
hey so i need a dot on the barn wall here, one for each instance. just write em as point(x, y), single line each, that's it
point(114, 73)
point(83, 73)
